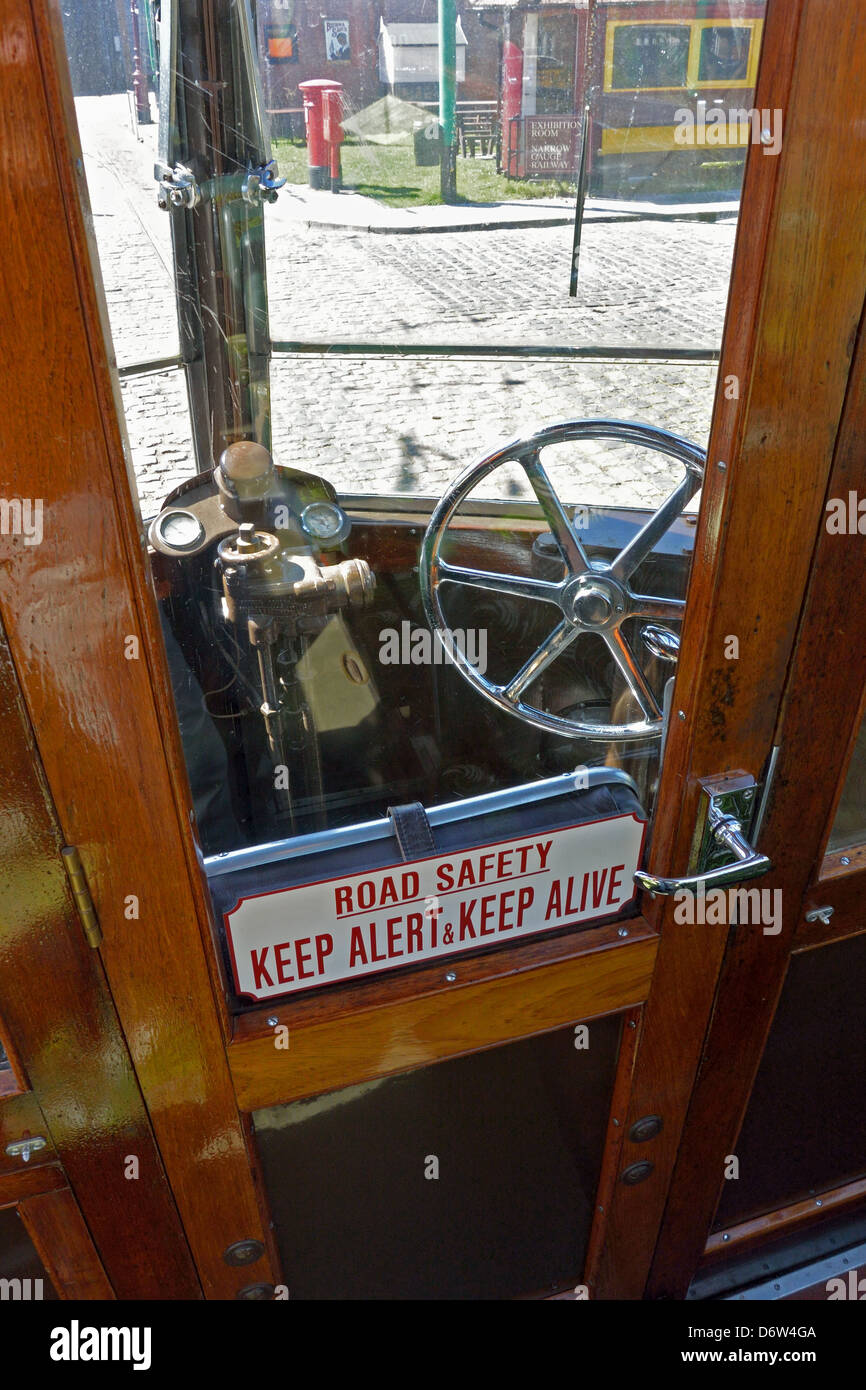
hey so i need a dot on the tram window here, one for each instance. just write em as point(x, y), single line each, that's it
point(724, 55)
point(335, 376)
point(22, 1273)
point(649, 56)
point(800, 1140)
point(849, 826)
point(473, 1178)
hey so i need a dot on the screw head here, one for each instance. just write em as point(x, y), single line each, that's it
point(622, 931)
point(244, 1252)
point(637, 1172)
point(644, 1129)
point(273, 1021)
point(845, 859)
point(721, 465)
point(451, 976)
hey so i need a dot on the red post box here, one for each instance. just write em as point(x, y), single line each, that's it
point(512, 106)
point(318, 159)
point(332, 111)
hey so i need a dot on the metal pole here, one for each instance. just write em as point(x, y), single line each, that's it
point(139, 80)
point(447, 99)
point(583, 170)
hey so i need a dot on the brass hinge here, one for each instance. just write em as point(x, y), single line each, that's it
point(81, 893)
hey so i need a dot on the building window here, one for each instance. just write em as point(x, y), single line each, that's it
point(281, 42)
point(649, 55)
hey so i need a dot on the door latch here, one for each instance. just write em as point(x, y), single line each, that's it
point(724, 815)
point(23, 1148)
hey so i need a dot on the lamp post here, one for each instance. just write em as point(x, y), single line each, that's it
point(448, 99)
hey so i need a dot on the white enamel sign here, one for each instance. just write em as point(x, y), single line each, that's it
point(342, 928)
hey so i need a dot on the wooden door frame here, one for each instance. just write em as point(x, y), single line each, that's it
point(73, 1082)
point(85, 641)
point(163, 973)
point(790, 344)
point(818, 724)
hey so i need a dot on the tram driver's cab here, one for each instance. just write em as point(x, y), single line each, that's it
point(336, 661)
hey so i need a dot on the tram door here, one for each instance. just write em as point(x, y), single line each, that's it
point(420, 755)
point(74, 1135)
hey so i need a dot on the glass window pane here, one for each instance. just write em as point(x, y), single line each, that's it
point(316, 363)
point(801, 1140)
point(474, 1178)
point(724, 53)
point(849, 827)
point(650, 55)
point(20, 1263)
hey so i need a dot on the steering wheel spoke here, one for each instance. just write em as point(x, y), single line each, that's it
point(645, 606)
point(648, 537)
point(555, 514)
point(628, 665)
point(562, 636)
point(517, 585)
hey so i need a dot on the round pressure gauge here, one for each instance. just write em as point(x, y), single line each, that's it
point(325, 523)
point(179, 530)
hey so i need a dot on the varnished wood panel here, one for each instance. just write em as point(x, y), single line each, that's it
point(796, 297)
point(846, 894)
point(19, 1116)
point(56, 1227)
point(382, 1041)
point(104, 722)
point(58, 1010)
point(29, 1181)
point(826, 677)
point(749, 1235)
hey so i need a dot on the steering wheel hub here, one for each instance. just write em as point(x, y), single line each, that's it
point(593, 602)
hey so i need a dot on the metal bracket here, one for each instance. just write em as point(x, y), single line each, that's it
point(261, 184)
point(177, 187)
point(81, 893)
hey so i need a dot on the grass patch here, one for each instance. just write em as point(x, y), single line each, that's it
point(389, 174)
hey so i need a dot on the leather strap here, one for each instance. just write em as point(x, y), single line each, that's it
point(412, 830)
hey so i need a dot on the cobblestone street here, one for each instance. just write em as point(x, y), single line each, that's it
point(380, 423)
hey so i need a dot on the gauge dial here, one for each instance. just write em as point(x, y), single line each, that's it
point(180, 530)
point(325, 522)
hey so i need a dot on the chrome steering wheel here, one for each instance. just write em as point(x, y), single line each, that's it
point(594, 597)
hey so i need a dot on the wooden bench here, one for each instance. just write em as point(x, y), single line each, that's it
point(479, 127)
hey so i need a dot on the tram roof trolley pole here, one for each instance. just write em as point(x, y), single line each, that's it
point(215, 174)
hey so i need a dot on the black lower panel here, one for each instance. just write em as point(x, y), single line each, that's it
point(24, 1275)
point(515, 1135)
point(805, 1128)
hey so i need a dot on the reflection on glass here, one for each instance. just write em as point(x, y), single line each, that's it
point(386, 315)
point(649, 56)
point(724, 54)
